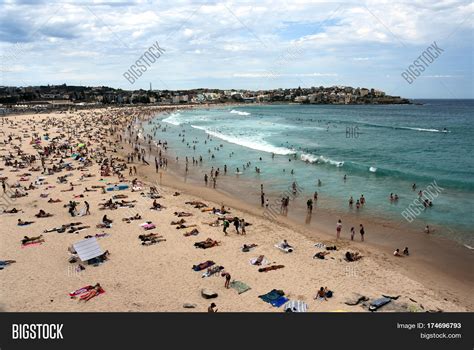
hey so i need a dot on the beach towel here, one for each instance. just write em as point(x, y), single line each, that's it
point(378, 303)
point(148, 226)
point(117, 188)
point(101, 291)
point(203, 265)
point(274, 297)
point(295, 306)
point(263, 262)
point(25, 224)
point(80, 291)
point(31, 244)
point(212, 271)
point(88, 249)
point(240, 287)
point(270, 268)
point(286, 250)
point(3, 264)
point(82, 212)
point(248, 248)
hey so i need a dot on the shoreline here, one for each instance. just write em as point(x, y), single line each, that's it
point(457, 275)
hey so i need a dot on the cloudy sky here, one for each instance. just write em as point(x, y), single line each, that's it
point(238, 44)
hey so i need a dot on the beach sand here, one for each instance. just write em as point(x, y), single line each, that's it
point(160, 277)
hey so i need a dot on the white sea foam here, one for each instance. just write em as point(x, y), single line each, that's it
point(239, 112)
point(373, 169)
point(311, 158)
point(173, 119)
point(259, 145)
point(422, 129)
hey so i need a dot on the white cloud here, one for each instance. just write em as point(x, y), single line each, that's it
point(210, 44)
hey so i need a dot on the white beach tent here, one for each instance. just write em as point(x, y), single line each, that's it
point(88, 249)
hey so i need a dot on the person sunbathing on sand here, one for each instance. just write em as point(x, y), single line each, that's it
point(153, 240)
point(182, 213)
point(353, 256)
point(197, 204)
point(136, 217)
point(93, 292)
point(54, 200)
point(179, 227)
point(24, 223)
point(43, 214)
point(75, 229)
point(212, 223)
point(11, 211)
point(259, 260)
point(36, 239)
point(179, 222)
point(148, 236)
point(156, 206)
point(193, 232)
point(246, 247)
point(208, 243)
point(320, 255)
point(4, 263)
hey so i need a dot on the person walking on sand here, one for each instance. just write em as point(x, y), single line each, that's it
point(227, 279)
point(309, 204)
point(353, 231)
point(236, 224)
point(262, 198)
point(226, 226)
point(362, 232)
point(87, 208)
point(338, 228)
point(242, 226)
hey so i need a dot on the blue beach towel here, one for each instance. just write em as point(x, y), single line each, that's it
point(275, 297)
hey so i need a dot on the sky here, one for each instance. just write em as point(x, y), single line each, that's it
point(264, 44)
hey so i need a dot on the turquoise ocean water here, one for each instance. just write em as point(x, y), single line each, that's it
point(382, 149)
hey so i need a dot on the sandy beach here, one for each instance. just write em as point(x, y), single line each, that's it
point(159, 276)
